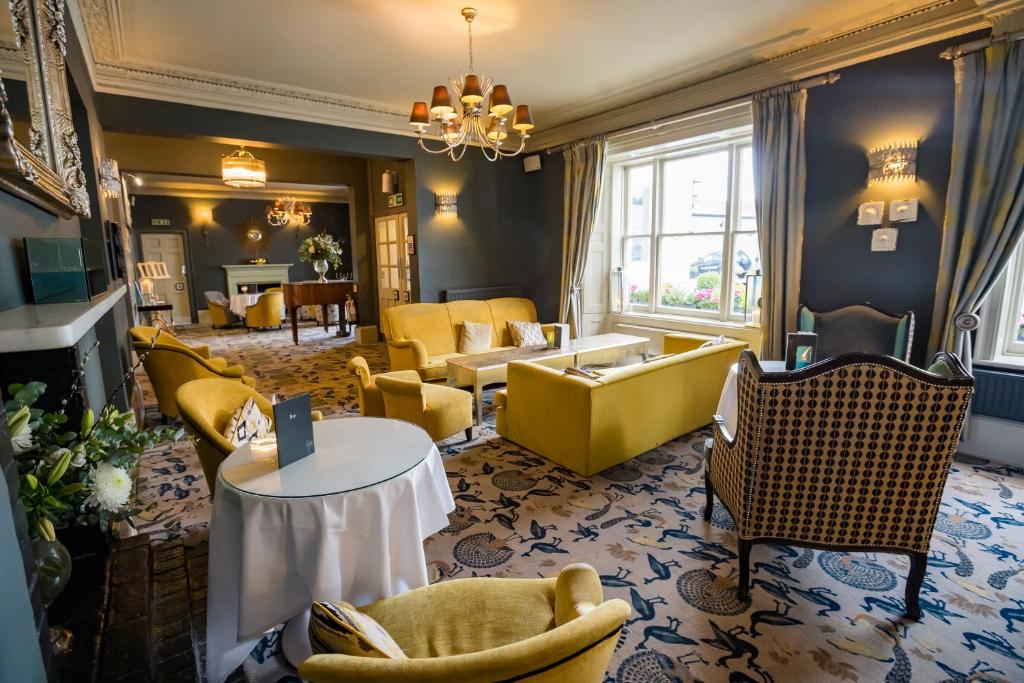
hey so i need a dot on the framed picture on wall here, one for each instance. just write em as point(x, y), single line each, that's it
point(115, 246)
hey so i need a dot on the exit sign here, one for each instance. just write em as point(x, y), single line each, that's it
point(160, 221)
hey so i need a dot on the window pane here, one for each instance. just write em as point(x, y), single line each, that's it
point(638, 213)
point(1020, 323)
point(691, 272)
point(746, 260)
point(696, 193)
point(748, 217)
point(637, 270)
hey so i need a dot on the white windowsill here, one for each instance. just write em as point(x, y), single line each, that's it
point(688, 320)
point(1001, 363)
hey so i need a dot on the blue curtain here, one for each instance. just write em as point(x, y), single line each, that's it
point(985, 201)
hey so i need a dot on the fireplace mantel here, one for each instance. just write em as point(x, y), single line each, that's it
point(258, 273)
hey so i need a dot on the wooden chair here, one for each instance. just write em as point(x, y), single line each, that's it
point(851, 453)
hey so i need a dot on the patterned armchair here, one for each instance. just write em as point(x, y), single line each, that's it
point(851, 453)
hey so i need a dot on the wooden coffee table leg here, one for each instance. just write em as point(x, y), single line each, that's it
point(478, 398)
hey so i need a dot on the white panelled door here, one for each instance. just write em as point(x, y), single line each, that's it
point(170, 249)
point(394, 281)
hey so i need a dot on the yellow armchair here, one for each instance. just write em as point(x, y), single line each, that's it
point(490, 629)
point(266, 312)
point(144, 334)
point(371, 400)
point(170, 363)
point(220, 309)
point(440, 410)
point(206, 405)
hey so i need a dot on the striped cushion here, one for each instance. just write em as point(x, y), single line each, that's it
point(339, 628)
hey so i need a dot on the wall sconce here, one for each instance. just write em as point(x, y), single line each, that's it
point(388, 182)
point(254, 235)
point(110, 179)
point(894, 162)
point(446, 203)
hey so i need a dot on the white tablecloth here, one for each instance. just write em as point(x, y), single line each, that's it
point(728, 402)
point(240, 301)
point(271, 557)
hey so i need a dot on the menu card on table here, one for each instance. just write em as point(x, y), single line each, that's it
point(293, 422)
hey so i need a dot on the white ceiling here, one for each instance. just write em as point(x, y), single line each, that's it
point(566, 58)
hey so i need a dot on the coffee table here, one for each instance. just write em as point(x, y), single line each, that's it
point(480, 369)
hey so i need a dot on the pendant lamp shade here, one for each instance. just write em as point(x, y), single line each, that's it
point(419, 116)
point(501, 104)
point(242, 169)
point(471, 93)
point(524, 119)
point(441, 103)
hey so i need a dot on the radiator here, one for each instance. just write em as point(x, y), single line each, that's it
point(999, 393)
point(479, 293)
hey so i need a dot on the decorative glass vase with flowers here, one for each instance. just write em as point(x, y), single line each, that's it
point(324, 251)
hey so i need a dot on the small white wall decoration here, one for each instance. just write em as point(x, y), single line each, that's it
point(884, 239)
point(870, 213)
point(903, 210)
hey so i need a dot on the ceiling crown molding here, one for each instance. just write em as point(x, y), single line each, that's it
point(942, 20)
point(98, 23)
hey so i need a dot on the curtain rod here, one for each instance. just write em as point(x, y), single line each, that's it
point(807, 83)
point(957, 51)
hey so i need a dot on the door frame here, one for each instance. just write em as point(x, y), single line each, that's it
point(190, 277)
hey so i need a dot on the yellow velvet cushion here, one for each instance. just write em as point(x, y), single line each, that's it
point(339, 628)
point(476, 337)
point(526, 333)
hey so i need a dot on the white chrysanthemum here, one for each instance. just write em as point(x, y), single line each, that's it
point(110, 487)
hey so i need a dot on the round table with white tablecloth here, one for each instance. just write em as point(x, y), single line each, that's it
point(239, 302)
point(728, 402)
point(345, 523)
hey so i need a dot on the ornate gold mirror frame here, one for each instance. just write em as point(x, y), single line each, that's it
point(49, 172)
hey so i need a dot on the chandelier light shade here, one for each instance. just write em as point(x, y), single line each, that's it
point(242, 169)
point(288, 211)
point(893, 162)
point(471, 123)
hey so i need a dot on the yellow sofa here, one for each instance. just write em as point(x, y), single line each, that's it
point(489, 629)
point(423, 337)
point(590, 425)
point(169, 363)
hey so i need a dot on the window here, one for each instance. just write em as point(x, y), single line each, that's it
point(685, 220)
point(1001, 338)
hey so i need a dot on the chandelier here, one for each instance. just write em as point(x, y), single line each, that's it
point(242, 169)
point(487, 128)
point(288, 210)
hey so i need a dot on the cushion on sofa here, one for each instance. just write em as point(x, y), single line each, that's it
point(476, 337)
point(471, 310)
point(525, 333)
point(510, 308)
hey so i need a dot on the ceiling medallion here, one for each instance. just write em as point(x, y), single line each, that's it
point(486, 128)
point(242, 169)
point(288, 210)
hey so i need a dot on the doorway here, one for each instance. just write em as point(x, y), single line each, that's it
point(171, 248)
point(394, 281)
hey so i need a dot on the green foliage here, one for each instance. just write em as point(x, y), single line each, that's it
point(709, 281)
point(321, 247)
point(54, 463)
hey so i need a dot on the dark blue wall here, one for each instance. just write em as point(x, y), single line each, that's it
point(906, 96)
point(228, 244)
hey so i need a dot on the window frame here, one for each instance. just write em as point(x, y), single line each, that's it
point(997, 343)
point(734, 143)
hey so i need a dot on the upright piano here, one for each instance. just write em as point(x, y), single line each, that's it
point(323, 294)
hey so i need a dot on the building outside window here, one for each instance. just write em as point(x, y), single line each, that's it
point(685, 226)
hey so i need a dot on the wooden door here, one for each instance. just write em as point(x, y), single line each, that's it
point(170, 248)
point(394, 282)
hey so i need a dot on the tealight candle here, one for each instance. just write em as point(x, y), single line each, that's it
point(264, 448)
point(550, 336)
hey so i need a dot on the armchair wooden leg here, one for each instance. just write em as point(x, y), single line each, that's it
point(743, 590)
point(918, 567)
point(709, 489)
point(469, 433)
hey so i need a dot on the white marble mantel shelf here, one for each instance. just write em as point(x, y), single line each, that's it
point(36, 327)
point(258, 273)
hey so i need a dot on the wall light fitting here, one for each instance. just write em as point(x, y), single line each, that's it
point(893, 162)
point(110, 179)
point(446, 203)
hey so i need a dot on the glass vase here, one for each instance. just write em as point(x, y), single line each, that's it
point(320, 266)
point(53, 565)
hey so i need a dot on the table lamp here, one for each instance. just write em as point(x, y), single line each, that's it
point(148, 272)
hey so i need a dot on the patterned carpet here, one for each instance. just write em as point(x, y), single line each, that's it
point(824, 616)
